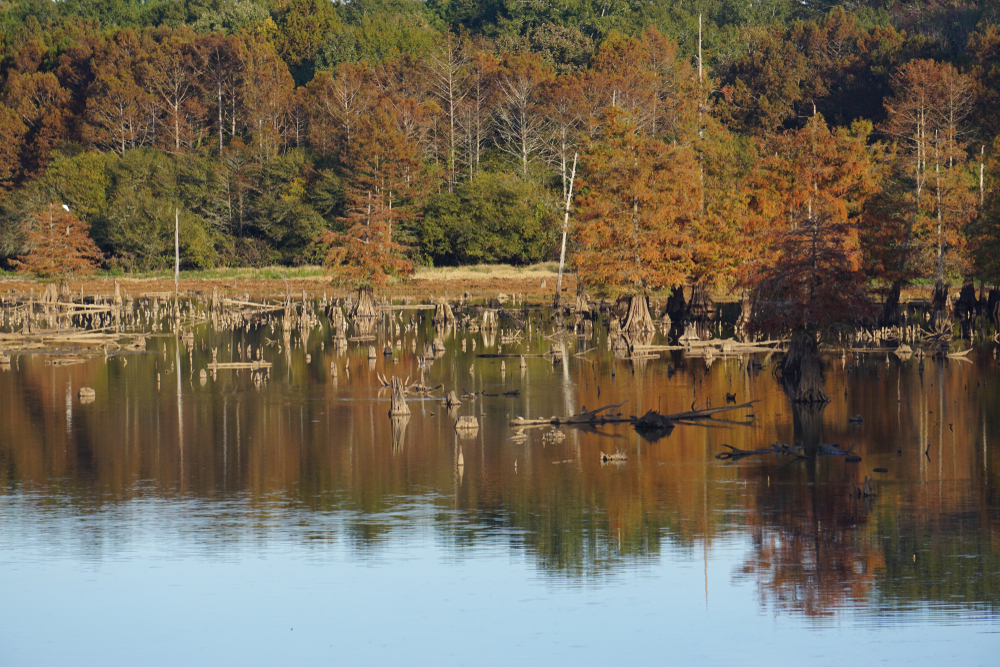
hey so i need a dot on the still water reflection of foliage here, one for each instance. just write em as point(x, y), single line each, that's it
point(304, 446)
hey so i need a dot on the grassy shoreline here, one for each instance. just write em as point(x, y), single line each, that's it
point(535, 281)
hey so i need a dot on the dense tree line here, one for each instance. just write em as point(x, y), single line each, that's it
point(777, 145)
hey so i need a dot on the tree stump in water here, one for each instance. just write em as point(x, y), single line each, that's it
point(399, 406)
point(65, 294)
point(467, 426)
point(365, 306)
point(676, 305)
point(966, 307)
point(438, 346)
point(582, 303)
point(993, 307)
point(743, 322)
point(802, 371)
point(890, 309)
point(940, 312)
point(443, 313)
point(701, 308)
point(637, 318)
point(489, 320)
point(51, 294)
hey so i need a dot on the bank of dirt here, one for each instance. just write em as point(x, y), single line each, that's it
point(536, 285)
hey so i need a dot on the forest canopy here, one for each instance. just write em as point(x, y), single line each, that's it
point(443, 132)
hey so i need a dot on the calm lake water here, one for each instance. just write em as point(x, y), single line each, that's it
point(280, 516)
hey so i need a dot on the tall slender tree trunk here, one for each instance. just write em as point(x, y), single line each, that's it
point(565, 229)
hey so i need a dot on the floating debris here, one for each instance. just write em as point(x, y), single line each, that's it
point(618, 457)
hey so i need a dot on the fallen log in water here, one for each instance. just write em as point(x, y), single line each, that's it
point(237, 365)
point(509, 394)
point(736, 453)
point(595, 416)
point(584, 417)
point(511, 356)
point(822, 449)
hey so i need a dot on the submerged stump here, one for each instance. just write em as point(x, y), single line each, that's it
point(399, 406)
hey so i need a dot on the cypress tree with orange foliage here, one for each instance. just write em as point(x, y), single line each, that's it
point(58, 244)
point(810, 194)
point(387, 182)
point(636, 200)
point(808, 276)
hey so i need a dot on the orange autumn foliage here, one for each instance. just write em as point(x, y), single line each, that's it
point(386, 181)
point(58, 245)
point(810, 196)
point(636, 203)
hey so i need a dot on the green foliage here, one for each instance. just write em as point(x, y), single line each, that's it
point(232, 18)
point(495, 217)
point(303, 29)
point(375, 38)
point(326, 195)
point(137, 225)
point(254, 143)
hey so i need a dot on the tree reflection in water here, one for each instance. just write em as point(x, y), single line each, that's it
point(307, 445)
point(813, 552)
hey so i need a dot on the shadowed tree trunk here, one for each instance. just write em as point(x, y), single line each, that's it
point(802, 370)
point(676, 304)
point(940, 312)
point(890, 309)
point(966, 308)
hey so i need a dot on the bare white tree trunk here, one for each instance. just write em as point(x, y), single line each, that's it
point(565, 229)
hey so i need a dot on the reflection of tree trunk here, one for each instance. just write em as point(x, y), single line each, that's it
point(807, 425)
point(398, 431)
point(802, 370)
